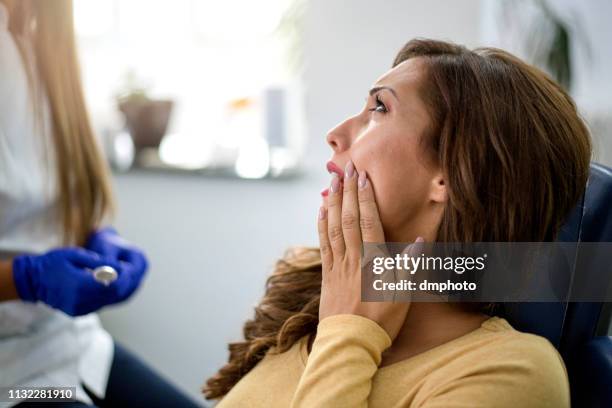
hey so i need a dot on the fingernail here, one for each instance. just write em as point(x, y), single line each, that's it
point(363, 179)
point(322, 213)
point(335, 183)
point(349, 170)
point(419, 239)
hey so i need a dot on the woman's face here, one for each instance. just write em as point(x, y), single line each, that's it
point(384, 139)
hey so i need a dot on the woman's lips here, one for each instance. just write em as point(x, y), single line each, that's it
point(332, 168)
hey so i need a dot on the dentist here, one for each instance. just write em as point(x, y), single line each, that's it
point(54, 194)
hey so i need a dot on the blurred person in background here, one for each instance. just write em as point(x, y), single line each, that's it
point(54, 195)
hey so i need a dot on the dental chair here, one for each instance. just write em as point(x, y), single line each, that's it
point(579, 330)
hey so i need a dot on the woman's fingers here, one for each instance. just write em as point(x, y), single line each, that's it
point(350, 211)
point(84, 258)
point(334, 217)
point(326, 253)
point(348, 217)
point(369, 220)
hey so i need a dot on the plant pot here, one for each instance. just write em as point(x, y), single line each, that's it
point(147, 121)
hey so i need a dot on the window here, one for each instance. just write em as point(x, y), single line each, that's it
point(224, 68)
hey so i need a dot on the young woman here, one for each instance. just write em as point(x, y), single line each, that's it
point(54, 191)
point(453, 145)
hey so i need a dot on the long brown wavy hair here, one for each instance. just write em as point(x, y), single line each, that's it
point(515, 155)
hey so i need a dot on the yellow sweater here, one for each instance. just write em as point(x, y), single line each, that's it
point(493, 366)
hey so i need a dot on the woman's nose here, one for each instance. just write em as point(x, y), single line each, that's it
point(339, 138)
point(334, 141)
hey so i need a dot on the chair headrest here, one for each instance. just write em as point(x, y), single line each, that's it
point(590, 221)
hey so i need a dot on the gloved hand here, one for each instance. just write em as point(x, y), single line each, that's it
point(61, 279)
point(110, 245)
point(107, 242)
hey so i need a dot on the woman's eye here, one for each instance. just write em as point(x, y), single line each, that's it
point(380, 107)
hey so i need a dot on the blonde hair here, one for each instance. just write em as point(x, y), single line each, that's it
point(85, 195)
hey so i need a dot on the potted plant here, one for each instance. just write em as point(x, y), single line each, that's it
point(146, 118)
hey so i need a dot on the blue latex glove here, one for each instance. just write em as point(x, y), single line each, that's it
point(110, 245)
point(61, 279)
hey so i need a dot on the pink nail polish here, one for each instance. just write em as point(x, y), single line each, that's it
point(349, 170)
point(335, 183)
point(322, 213)
point(363, 180)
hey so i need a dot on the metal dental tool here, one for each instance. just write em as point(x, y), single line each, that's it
point(105, 274)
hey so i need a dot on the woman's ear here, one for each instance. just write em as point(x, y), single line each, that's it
point(438, 192)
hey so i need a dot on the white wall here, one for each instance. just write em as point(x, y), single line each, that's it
point(350, 43)
point(212, 242)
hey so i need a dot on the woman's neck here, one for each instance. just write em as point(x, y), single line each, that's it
point(429, 325)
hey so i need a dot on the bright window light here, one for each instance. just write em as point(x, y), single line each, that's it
point(94, 18)
point(202, 55)
point(238, 20)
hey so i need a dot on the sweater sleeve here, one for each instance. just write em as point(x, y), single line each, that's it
point(345, 356)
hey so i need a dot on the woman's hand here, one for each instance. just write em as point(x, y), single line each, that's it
point(109, 244)
point(62, 279)
point(349, 219)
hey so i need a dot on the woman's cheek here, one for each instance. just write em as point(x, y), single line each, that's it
point(396, 198)
point(385, 199)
